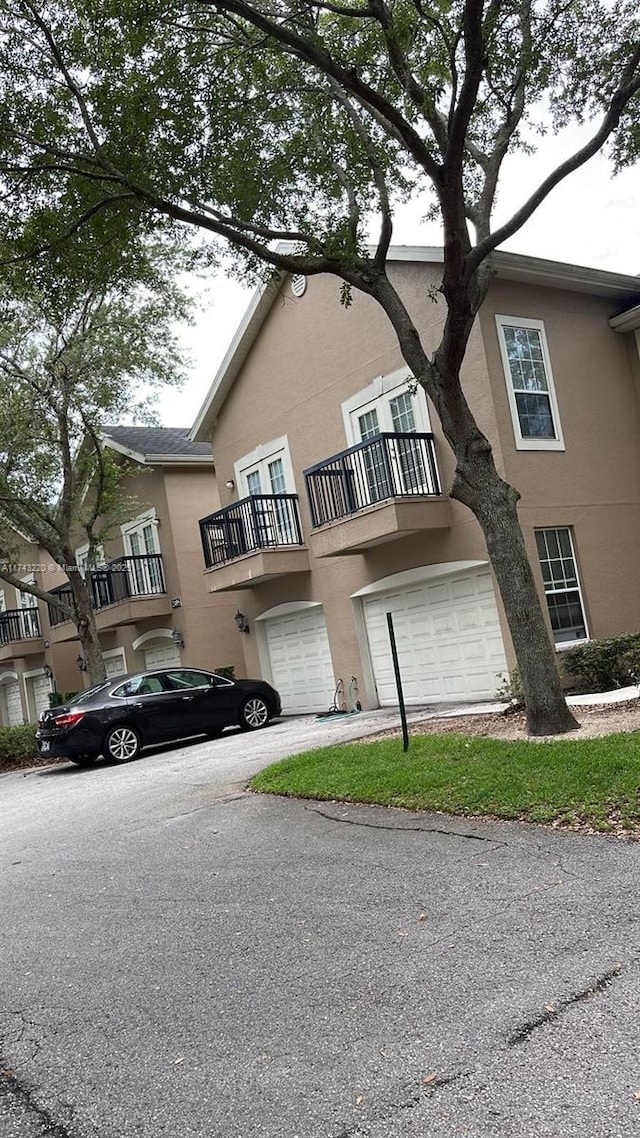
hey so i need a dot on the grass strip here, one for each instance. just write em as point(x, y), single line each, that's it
point(580, 782)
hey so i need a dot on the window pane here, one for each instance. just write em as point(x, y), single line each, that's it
point(276, 476)
point(368, 424)
point(402, 415)
point(534, 414)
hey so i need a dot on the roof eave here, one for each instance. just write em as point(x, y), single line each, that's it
point(237, 352)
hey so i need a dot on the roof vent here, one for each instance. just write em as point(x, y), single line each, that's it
point(298, 285)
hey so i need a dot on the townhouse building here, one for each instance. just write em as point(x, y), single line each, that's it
point(147, 588)
point(333, 477)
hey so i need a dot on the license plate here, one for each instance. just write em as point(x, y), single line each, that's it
point(45, 747)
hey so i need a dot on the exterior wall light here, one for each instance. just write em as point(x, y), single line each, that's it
point(178, 638)
point(242, 624)
point(229, 483)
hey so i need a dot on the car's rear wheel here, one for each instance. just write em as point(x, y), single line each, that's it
point(254, 713)
point(122, 744)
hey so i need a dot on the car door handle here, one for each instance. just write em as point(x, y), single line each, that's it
point(186, 697)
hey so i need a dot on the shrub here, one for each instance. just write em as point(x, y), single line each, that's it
point(602, 665)
point(17, 745)
point(510, 689)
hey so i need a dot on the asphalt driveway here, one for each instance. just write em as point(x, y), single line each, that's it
point(181, 958)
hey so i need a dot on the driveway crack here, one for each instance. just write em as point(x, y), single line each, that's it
point(552, 1011)
point(405, 829)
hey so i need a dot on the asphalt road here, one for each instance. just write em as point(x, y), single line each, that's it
point(181, 958)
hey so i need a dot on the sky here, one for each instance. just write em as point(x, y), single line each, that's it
point(592, 219)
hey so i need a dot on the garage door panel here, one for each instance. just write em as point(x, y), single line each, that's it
point(14, 704)
point(300, 661)
point(448, 640)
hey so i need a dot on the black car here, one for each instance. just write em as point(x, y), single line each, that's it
point(121, 716)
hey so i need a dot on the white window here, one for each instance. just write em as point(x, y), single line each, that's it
point(561, 584)
point(82, 558)
point(266, 476)
point(530, 386)
point(28, 620)
point(142, 552)
point(390, 466)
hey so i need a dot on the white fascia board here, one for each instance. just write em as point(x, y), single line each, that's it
point(237, 352)
point(178, 460)
point(626, 321)
point(158, 459)
point(120, 449)
point(536, 270)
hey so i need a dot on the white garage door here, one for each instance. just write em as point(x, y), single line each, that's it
point(166, 656)
point(447, 636)
point(115, 666)
point(39, 688)
point(301, 667)
point(14, 704)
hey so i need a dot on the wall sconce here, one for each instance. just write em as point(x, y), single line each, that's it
point(178, 638)
point(229, 483)
point(82, 663)
point(48, 671)
point(242, 624)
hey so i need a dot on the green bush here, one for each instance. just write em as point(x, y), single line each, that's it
point(602, 665)
point(17, 744)
point(510, 689)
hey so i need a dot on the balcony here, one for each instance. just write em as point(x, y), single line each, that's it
point(378, 491)
point(252, 541)
point(20, 633)
point(126, 590)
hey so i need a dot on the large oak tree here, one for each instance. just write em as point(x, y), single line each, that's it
point(307, 122)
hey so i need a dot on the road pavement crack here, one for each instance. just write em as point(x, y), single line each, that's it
point(552, 1011)
point(405, 829)
point(16, 1094)
point(390, 1110)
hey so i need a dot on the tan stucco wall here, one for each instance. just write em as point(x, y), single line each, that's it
point(311, 355)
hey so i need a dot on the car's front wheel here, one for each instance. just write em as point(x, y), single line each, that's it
point(122, 744)
point(254, 713)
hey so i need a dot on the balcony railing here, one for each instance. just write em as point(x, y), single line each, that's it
point(120, 580)
point(19, 624)
point(385, 466)
point(262, 521)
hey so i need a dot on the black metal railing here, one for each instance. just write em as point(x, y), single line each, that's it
point(262, 521)
point(120, 580)
point(385, 466)
point(19, 624)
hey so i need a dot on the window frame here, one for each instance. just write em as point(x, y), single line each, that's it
point(378, 396)
point(523, 443)
point(259, 460)
point(563, 645)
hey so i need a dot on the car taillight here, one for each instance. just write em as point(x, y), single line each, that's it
point(69, 719)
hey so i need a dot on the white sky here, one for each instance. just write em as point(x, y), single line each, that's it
point(592, 219)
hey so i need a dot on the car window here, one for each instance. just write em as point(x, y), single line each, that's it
point(139, 685)
point(83, 696)
point(186, 678)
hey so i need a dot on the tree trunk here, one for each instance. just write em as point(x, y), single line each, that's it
point(88, 634)
point(494, 505)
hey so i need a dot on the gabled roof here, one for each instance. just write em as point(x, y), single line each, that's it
point(616, 287)
point(158, 446)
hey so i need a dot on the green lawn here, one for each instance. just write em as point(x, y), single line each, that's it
point(585, 782)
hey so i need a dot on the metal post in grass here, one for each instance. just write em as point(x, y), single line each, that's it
point(396, 669)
